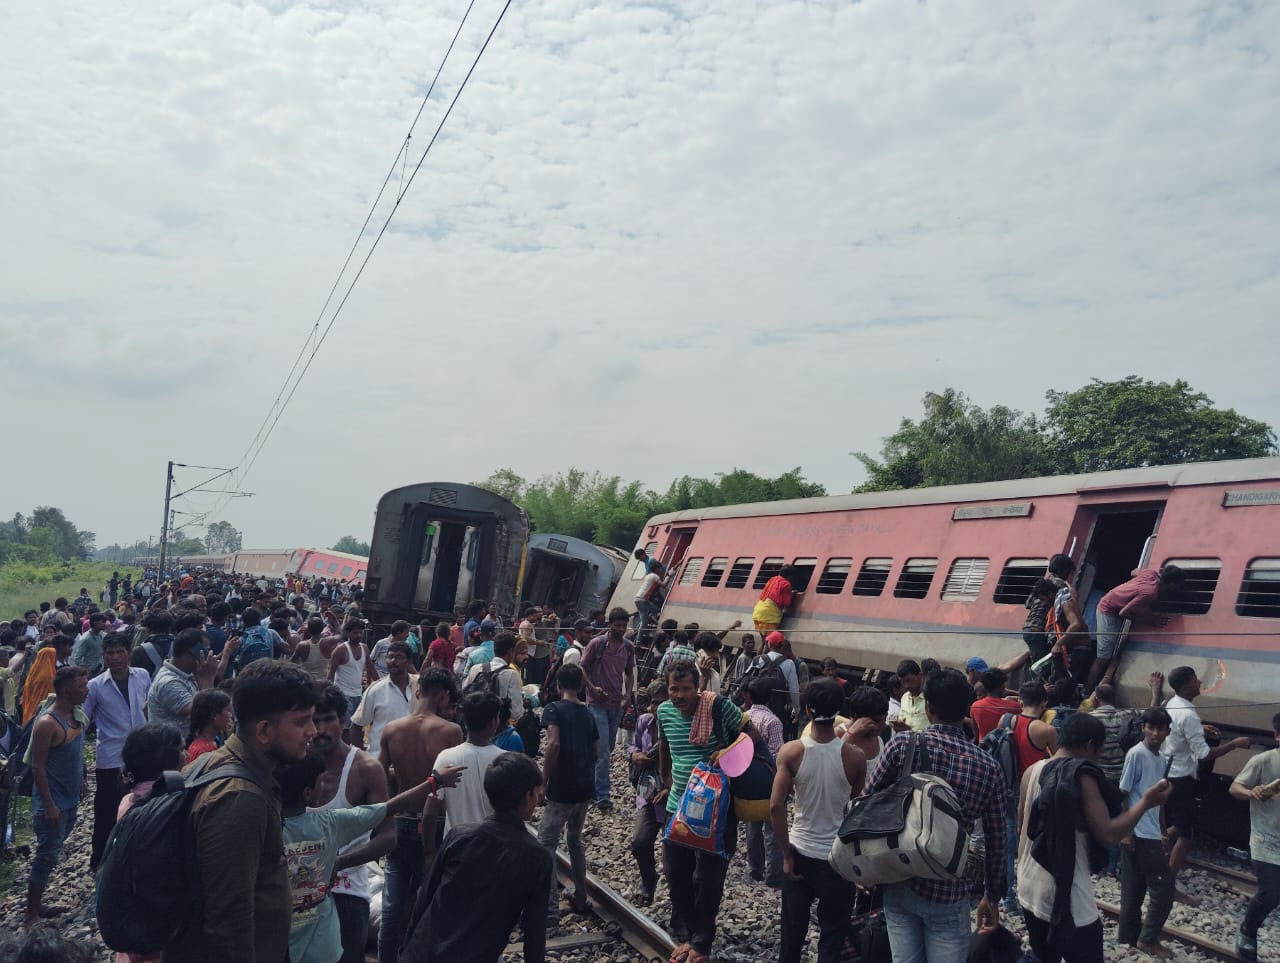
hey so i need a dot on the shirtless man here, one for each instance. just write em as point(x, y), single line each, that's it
point(408, 755)
point(351, 777)
point(315, 650)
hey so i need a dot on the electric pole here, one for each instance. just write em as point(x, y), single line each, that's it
point(164, 526)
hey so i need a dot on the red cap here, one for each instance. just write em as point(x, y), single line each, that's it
point(775, 638)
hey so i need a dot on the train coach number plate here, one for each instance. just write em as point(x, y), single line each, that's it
point(969, 512)
point(1266, 496)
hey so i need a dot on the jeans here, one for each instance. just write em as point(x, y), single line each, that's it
point(1144, 869)
point(647, 614)
point(353, 923)
point(696, 883)
point(761, 841)
point(406, 869)
point(643, 835)
point(922, 931)
point(1083, 945)
point(106, 801)
point(606, 720)
point(1267, 898)
point(49, 840)
point(1011, 846)
point(835, 898)
point(571, 817)
point(353, 703)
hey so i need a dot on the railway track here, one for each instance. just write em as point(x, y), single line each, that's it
point(1244, 883)
point(621, 920)
point(1219, 951)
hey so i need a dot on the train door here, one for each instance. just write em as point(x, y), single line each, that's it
point(1120, 538)
point(447, 563)
point(677, 546)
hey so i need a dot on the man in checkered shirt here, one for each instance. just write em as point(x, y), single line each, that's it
point(928, 920)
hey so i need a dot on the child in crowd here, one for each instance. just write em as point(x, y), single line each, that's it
point(1144, 867)
point(312, 839)
point(210, 722)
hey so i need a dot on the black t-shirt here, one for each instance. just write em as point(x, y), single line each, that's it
point(573, 779)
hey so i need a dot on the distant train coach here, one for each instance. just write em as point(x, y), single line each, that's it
point(569, 573)
point(439, 545)
point(945, 572)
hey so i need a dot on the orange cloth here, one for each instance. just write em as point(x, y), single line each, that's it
point(39, 682)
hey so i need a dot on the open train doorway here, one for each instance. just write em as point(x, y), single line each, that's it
point(1119, 542)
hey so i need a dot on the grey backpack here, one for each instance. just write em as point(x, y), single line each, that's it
point(913, 829)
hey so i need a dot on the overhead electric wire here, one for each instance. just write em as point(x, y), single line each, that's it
point(400, 160)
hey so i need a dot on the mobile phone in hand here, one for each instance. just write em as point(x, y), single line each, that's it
point(1168, 764)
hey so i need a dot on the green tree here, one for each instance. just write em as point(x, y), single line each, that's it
point(181, 545)
point(348, 544)
point(1132, 422)
point(957, 442)
point(222, 539)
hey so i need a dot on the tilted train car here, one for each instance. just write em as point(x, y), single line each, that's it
point(567, 572)
point(439, 545)
point(328, 564)
point(945, 572)
point(267, 564)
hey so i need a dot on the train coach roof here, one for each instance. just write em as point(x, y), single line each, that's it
point(1172, 476)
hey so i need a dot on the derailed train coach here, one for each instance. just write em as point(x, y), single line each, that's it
point(945, 572)
point(437, 546)
point(570, 573)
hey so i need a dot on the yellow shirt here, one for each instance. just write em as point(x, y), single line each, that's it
point(913, 713)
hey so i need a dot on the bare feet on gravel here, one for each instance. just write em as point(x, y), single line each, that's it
point(1185, 899)
point(1156, 949)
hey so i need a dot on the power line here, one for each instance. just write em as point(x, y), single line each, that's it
point(399, 160)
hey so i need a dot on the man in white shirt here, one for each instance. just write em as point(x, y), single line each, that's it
point(466, 803)
point(647, 607)
point(391, 698)
point(504, 680)
point(1187, 748)
point(399, 633)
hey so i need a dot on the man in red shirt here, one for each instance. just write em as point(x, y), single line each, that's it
point(1131, 600)
point(987, 712)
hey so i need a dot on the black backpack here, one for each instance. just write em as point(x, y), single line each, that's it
point(15, 775)
point(998, 744)
point(1130, 732)
point(148, 883)
point(763, 667)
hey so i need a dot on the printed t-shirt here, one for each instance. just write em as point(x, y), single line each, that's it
point(312, 840)
point(573, 778)
point(674, 727)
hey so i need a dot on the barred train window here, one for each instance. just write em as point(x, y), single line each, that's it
point(692, 569)
point(715, 571)
point(917, 576)
point(872, 577)
point(740, 574)
point(834, 575)
point(768, 569)
point(1260, 591)
point(965, 579)
point(1196, 593)
point(1017, 578)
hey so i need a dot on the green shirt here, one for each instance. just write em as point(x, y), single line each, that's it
point(673, 726)
point(1264, 814)
point(311, 843)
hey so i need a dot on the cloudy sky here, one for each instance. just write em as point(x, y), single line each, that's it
point(655, 238)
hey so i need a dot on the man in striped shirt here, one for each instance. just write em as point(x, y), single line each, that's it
point(928, 920)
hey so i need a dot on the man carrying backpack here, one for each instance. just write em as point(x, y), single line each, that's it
point(244, 906)
point(784, 685)
point(499, 677)
point(928, 919)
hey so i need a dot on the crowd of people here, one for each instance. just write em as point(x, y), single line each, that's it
point(428, 751)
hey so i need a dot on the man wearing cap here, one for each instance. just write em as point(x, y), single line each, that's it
point(974, 668)
point(482, 654)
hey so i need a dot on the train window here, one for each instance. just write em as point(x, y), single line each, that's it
point(692, 569)
point(965, 579)
point(873, 576)
point(319, 567)
point(346, 571)
point(804, 572)
point(1196, 593)
point(637, 572)
point(333, 567)
point(740, 574)
point(1016, 579)
point(834, 575)
point(916, 577)
point(361, 574)
point(715, 571)
point(1260, 590)
point(768, 569)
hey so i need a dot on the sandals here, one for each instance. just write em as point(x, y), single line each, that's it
point(681, 953)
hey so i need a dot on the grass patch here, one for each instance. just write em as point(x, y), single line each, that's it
point(24, 586)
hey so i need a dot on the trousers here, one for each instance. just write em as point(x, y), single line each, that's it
point(1084, 945)
point(835, 896)
point(644, 834)
point(1265, 900)
point(406, 868)
point(1144, 869)
point(569, 818)
point(107, 793)
point(696, 884)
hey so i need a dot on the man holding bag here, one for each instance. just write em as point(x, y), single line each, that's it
point(692, 727)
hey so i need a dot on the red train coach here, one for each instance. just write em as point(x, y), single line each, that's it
point(945, 572)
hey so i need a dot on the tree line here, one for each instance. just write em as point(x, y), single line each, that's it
point(1105, 425)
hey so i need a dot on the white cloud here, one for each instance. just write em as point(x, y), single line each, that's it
point(654, 238)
